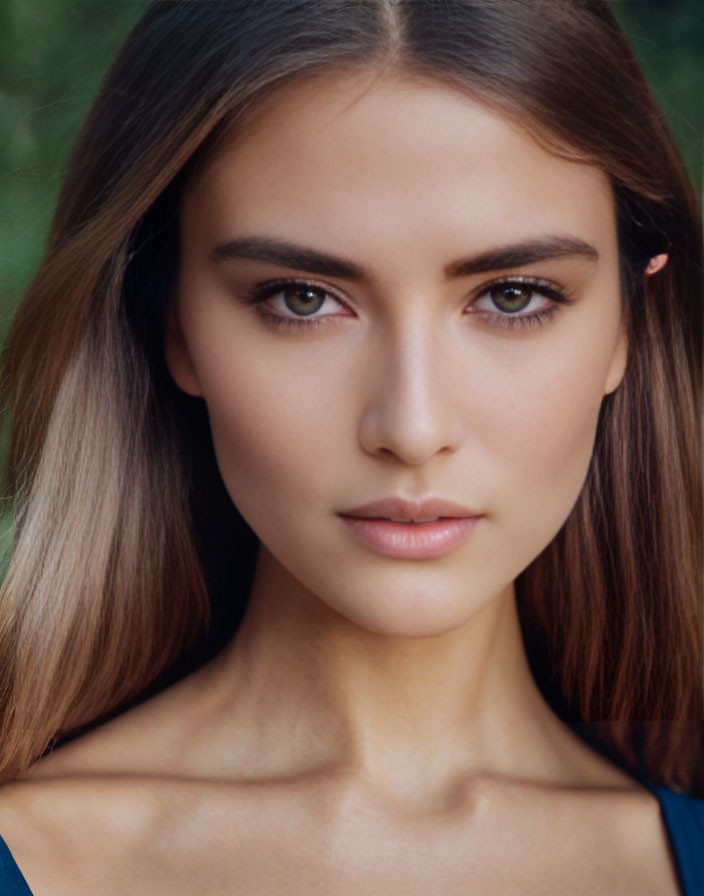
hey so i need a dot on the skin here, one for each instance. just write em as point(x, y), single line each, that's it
point(374, 724)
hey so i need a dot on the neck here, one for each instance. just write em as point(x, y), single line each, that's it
point(312, 690)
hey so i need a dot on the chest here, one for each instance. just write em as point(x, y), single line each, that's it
point(210, 841)
point(294, 860)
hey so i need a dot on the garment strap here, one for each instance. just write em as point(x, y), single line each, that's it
point(12, 882)
point(684, 821)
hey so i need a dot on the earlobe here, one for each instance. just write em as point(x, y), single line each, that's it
point(619, 359)
point(177, 356)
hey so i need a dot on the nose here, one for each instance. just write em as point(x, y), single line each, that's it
point(412, 411)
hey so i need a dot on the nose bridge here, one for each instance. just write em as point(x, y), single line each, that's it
point(412, 410)
point(412, 366)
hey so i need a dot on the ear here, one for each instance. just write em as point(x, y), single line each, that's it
point(177, 355)
point(617, 367)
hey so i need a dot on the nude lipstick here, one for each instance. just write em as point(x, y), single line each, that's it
point(410, 530)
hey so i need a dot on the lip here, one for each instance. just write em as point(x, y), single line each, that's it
point(409, 511)
point(410, 541)
point(402, 536)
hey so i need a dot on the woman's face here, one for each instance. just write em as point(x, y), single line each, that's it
point(417, 368)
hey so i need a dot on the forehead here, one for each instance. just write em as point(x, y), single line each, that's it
point(364, 159)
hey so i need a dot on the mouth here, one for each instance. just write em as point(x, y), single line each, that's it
point(401, 510)
point(421, 539)
point(388, 519)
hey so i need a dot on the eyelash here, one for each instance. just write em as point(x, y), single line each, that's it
point(559, 297)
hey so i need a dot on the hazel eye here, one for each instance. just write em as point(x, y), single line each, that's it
point(295, 301)
point(518, 302)
point(295, 304)
point(302, 299)
point(511, 297)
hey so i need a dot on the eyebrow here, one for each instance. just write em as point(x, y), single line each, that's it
point(293, 255)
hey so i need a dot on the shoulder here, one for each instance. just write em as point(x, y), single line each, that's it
point(140, 834)
point(114, 834)
point(153, 738)
point(61, 832)
point(119, 804)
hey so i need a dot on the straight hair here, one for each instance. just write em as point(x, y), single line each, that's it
point(130, 562)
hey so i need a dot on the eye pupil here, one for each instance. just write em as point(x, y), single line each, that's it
point(511, 297)
point(303, 299)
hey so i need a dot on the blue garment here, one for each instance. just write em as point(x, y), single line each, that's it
point(12, 883)
point(684, 821)
point(683, 816)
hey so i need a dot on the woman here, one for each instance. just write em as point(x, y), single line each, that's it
point(414, 287)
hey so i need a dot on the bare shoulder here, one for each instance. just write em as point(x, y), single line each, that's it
point(124, 809)
point(95, 813)
point(116, 834)
point(151, 738)
point(618, 830)
point(61, 830)
point(74, 835)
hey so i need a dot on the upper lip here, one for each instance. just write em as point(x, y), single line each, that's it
point(395, 508)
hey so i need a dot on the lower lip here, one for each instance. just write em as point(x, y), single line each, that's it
point(411, 541)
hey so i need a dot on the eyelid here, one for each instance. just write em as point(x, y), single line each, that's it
point(265, 291)
point(540, 285)
point(553, 291)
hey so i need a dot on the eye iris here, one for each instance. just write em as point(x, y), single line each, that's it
point(511, 297)
point(303, 299)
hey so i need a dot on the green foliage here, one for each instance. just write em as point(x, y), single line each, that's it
point(53, 54)
point(668, 39)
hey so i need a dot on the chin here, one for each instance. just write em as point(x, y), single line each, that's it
point(413, 613)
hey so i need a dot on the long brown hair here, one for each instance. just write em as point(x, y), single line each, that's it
point(117, 567)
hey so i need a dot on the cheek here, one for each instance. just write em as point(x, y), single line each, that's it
point(544, 438)
point(272, 432)
point(257, 400)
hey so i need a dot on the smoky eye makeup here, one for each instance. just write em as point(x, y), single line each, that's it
point(510, 302)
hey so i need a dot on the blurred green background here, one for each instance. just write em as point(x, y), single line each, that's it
point(53, 54)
